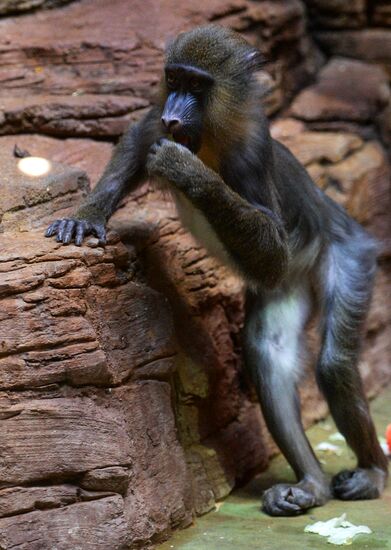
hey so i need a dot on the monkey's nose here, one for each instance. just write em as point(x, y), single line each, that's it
point(171, 124)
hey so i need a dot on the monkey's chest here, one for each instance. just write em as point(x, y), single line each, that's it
point(194, 220)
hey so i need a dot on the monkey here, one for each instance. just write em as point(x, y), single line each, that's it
point(249, 201)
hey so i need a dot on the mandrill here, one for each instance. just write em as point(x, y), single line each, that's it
point(246, 198)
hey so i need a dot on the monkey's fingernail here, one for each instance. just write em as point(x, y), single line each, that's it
point(92, 242)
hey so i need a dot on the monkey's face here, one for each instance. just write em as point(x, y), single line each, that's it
point(187, 94)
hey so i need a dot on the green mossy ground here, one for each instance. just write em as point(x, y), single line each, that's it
point(238, 523)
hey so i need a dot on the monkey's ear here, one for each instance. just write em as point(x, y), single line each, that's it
point(171, 39)
point(255, 60)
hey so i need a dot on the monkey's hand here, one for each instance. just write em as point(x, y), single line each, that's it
point(176, 164)
point(86, 221)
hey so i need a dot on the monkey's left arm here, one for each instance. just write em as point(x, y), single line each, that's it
point(254, 238)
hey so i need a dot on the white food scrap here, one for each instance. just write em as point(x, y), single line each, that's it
point(338, 530)
point(327, 447)
point(384, 446)
point(336, 437)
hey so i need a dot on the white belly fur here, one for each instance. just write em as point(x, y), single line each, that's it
point(193, 220)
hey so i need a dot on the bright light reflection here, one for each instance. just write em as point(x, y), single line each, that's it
point(34, 166)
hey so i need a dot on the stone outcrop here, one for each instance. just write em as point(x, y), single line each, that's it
point(345, 89)
point(124, 406)
point(337, 14)
point(75, 115)
point(360, 29)
point(19, 6)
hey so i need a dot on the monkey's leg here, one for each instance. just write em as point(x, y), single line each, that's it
point(348, 277)
point(273, 327)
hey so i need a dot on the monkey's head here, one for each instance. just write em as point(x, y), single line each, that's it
point(207, 85)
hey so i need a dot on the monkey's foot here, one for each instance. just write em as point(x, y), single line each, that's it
point(359, 484)
point(291, 500)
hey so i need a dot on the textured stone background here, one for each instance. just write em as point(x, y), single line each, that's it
point(124, 408)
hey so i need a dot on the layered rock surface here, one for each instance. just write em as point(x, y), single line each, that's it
point(20, 6)
point(124, 408)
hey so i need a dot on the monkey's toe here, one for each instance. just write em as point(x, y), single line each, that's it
point(287, 500)
point(358, 484)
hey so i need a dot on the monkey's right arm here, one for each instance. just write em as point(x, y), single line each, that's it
point(125, 171)
point(254, 237)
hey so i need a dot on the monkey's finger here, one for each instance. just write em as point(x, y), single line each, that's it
point(346, 491)
point(153, 149)
point(100, 233)
point(81, 231)
point(275, 503)
point(69, 231)
point(281, 508)
point(161, 141)
point(60, 230)
point(52, 229)
point(150, 159)
point(151, 164)
point(286, 506)
point(359, 493)
point(158, 144)
point(301, 498)
point(344, 475)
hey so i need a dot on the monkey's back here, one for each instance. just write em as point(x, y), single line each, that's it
point(304, 207)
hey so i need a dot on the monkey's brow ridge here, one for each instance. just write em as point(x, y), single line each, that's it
point(190, 69)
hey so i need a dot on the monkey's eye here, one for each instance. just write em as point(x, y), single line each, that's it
point(171, 80)
point(195, 84)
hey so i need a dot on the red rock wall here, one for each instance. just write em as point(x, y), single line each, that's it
point(123, 405)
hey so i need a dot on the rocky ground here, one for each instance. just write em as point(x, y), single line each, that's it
point(123, 403)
